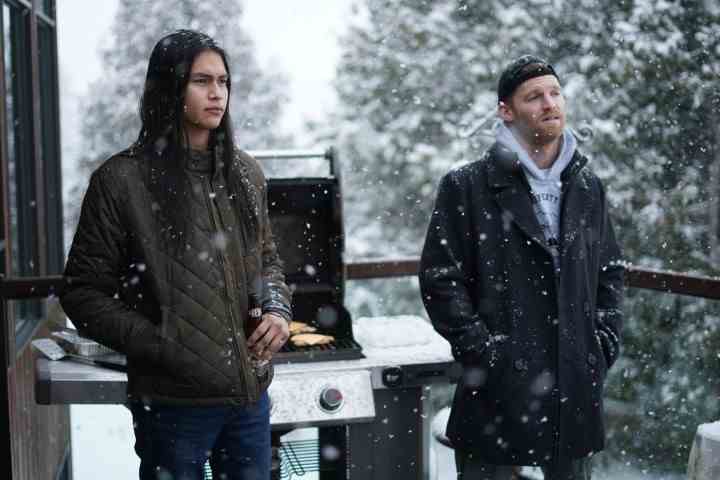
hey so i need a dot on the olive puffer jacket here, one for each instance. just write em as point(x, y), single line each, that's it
point(177, 313)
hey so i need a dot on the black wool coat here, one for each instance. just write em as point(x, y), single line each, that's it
point(535, 342)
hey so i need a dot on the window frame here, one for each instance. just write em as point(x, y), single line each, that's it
point(38, 249)
point(51, 180)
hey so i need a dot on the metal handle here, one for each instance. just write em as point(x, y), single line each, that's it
point(329, 154)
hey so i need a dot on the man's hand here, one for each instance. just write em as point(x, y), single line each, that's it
point(269, 336)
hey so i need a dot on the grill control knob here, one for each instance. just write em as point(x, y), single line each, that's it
point(392, 377)
point(331, 399)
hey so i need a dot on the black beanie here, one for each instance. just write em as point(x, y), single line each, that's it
point(521, 70)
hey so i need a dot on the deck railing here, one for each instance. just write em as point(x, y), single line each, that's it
point(635, 277)
point(22, 288)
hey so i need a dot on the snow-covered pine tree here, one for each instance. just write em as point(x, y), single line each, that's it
point(656, 101)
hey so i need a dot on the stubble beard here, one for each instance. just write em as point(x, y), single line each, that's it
point(544, 135)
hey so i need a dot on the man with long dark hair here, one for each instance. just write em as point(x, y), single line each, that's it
point(172, 251)
point(521, 273)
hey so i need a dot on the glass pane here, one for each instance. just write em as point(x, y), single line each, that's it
point(48, 8)
point(50, 148)
point(10, 82)
point(22, 239)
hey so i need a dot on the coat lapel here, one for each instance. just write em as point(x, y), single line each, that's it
point(512, 193)
point(576, 203)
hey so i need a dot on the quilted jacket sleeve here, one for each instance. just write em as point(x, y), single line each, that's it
point(443, 281)
point(95, 264)
point(610, 289)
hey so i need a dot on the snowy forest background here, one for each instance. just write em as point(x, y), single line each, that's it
point(416, 75)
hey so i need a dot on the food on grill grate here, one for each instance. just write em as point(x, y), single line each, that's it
point(311, 339)
point(300, 327)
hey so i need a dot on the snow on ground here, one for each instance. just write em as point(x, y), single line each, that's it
point(102, 443)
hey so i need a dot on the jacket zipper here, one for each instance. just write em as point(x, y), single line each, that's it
point(251, 386)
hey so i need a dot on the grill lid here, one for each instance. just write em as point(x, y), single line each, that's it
point(306, 218)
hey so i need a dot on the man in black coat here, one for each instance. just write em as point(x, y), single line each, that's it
point(521, 273)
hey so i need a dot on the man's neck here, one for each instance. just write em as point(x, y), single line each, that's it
point(544, 155)
point(198, 138)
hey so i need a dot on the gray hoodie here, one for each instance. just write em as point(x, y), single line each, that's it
point(545, 184)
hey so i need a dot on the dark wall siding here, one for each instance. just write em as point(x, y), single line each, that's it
point(40, 433)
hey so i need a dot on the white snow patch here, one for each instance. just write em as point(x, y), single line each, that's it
point(395, 331)
point(102, 441)
point(710, 431)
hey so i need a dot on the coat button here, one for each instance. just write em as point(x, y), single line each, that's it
point(592, 359)
point(521, 365)
point(586, 307)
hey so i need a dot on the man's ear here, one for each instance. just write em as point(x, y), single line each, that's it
point(505, 112)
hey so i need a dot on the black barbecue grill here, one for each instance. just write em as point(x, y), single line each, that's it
point(306, 217)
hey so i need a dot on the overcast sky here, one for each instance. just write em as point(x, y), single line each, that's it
point(299, 37)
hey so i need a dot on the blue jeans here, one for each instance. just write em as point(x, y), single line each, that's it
point(174, 443)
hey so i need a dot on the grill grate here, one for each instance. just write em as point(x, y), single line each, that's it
point(340, 349)
point(297, 458)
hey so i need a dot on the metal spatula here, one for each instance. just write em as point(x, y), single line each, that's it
point(53, 351)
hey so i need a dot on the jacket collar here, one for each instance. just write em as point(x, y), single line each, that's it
point(505, 169)
point(512, 192)
point(199, 161)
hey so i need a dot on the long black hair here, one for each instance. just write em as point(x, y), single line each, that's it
point(163, 138)
point(162, 106)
